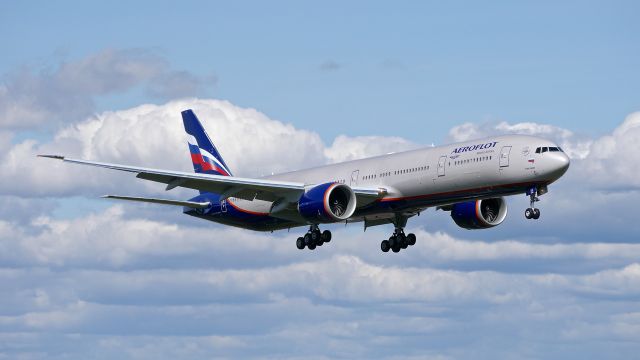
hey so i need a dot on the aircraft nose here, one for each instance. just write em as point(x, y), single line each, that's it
point(561, 164)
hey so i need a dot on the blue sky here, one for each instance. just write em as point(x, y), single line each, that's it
point(427, 64)
point(286, 85)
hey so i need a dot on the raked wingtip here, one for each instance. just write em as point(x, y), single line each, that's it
point(58, 157)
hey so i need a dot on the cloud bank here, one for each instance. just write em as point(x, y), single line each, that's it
point(153, 136)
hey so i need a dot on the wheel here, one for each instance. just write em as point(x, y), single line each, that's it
point(384, 246)
point(300, 243)
point(326, 236)
point(311, 246)
point(411, 239)
point(307, 239)
point(536, 214)
point(315, 235)
point(402, 241)
point(395, 249)
point(319, 241)
point(393, 242)
point(528, 213)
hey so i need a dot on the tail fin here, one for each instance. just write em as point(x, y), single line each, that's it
point(204, 155)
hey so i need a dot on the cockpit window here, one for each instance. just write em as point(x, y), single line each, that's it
point(540, 150)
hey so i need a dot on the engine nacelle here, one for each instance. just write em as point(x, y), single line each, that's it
point(479, 214)
point(326, 203)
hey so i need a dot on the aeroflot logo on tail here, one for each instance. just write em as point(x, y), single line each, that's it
point(474, 147)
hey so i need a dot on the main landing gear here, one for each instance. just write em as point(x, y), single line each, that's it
point(398, 241)
point(313, 238)
point(532, 212)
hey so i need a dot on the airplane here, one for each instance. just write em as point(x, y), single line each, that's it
point(469, 179)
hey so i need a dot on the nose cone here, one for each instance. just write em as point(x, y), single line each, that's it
point(559, 164)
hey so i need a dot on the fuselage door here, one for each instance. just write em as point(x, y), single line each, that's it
point(504, 156)
point(354, 178)
point(441, 164)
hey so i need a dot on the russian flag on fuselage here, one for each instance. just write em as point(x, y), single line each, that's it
point(204, 155)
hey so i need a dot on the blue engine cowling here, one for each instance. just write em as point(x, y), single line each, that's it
point(326, 203)
point(479, 214)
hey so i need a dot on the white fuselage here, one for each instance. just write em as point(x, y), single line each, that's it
point(435, 176)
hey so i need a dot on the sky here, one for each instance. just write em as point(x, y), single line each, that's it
point(285, 85)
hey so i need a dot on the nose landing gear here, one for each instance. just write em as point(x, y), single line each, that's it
point(313, 238)
point(532, 212)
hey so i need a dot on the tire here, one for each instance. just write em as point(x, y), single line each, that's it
point(300, 243)
point(411, 239)
point(311, 246)
point(384, 246)
point(319, 242)
point(528, 213)
point(395, 249)
point(326, 236)
point(536, 214)
point(307, 239)
point(402, 241)
point(393, 242)
point(315, 235)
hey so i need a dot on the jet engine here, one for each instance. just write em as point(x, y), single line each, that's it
point(326, 203)
point(479, 214)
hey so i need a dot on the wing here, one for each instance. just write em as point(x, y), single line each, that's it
point(226, 186)
point(191, 204)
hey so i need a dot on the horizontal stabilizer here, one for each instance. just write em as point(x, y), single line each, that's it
point(191, 204)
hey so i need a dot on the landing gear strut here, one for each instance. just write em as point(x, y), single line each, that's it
point(532, 212)
point(313, 238)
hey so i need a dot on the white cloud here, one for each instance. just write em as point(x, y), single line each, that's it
point(153, 136)
point(345, 304)
point(623, 282)
point(445, 247)
point(255, 145)
point(168, 287)
point(345, 148)
point(613, 159)
point(115, 239)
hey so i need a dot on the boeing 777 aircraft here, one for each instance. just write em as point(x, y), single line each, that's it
point(468, 179)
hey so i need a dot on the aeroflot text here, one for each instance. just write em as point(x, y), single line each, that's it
point(474, 147)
